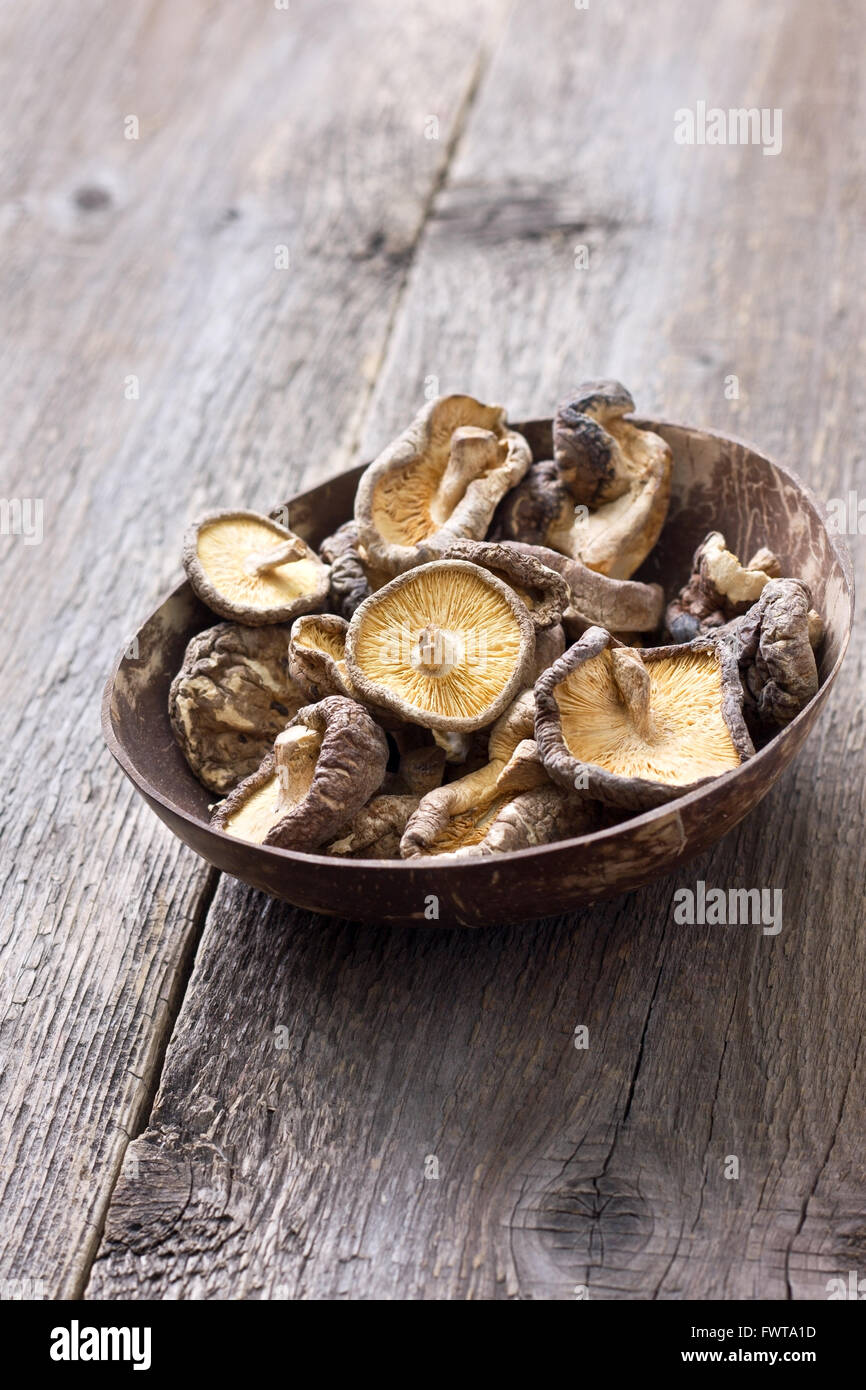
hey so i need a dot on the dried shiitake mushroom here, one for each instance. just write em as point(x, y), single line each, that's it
point(634, 729)
point(440, 480)
point(604, 496)
point(537, 817)
point(446, 645)
point(596, 600)
point(317, 655)
point(376, 831)
point(542, 589)
point(774, 645)
point(420, 767)
point(459, 814)
point(229, 700)
point(349, 578)
point(250, 568)
point(720, 588)
point(325, 766)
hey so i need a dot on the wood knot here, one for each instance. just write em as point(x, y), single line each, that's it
point(91, 198)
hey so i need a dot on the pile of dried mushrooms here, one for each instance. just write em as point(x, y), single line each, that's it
point(467, 666)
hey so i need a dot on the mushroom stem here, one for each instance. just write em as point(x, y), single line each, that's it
point(436, 651)
point(473, 452)
point(633, 683)
point(295, 752)
point(260, 562)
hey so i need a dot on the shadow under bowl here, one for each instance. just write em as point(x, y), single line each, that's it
point(719, 484)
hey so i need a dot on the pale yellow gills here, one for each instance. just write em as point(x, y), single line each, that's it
point(241, 558)
point(681, 736)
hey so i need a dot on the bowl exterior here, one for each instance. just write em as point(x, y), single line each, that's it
point(718, 484)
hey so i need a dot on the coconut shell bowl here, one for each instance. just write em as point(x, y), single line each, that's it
point(719, 484)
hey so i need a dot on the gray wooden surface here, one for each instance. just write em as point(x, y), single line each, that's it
point(313, 1075)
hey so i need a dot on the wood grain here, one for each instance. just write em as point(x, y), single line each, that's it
point(297, 1163)
point(157, 361)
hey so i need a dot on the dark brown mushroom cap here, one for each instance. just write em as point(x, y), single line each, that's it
point(447, 645)
point(596, 600)
point(229, 700)
point(719, 588)
point(376, 830)
point(634, 730)
point(773, 647)
point(542, 588)
point(249, 568)
point(441, 479)
point(583, 448)
point(604, 497)
point(529, 511)
point(317, 655)
point(305, 796)
point(349, 581)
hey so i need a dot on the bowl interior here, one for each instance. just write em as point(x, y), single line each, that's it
point(718, 484)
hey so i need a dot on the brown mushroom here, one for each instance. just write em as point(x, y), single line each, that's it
point(541, 587)
point(774, 645)
point(250, 568)
point(596, 600)
point(446, 645)
point(230, 699)
point(720, 587)
point(376, 831)
point(440, 480)
point(325, 766)
point(634, 729)
point(420, 768)
point(537, 817)
point(604, 497)
point(317, 655)
point(349, 579)
point(459, 814)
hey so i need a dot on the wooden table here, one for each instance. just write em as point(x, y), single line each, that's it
point(239, 242)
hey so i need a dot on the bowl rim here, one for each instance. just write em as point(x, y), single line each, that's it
point(461, 864)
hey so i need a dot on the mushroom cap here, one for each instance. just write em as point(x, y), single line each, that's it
point(773, 644)
point(325, 766)
point(317, 655)
point(586, 452)
point(604, 496)
point(229, 700)
point(376, 830)
point(542, 588)
point(635, 729)
point(446, 645)
point(719, 588)
point(620, 472)
point(349, 580)
point(229, 561)
point(597, 600)
point(441, 479)
point(536, 817)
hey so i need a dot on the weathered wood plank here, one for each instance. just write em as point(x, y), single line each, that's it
point(156, 360)
point(300, 1170)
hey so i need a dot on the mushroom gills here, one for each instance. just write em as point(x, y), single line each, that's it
point(661, 721)
point(447, 644)
point(255, 564)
